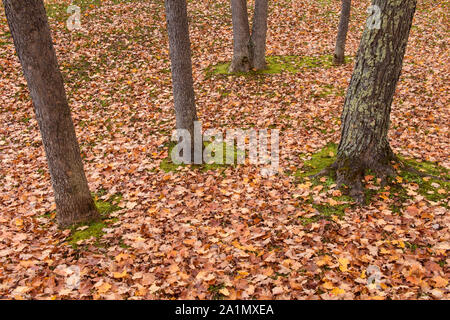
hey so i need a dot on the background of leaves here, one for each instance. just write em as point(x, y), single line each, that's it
point(225, 233)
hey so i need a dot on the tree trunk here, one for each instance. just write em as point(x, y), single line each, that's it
point(258, 37)
point(339, 52)
point(365, 118)
point(29, 27)
point(242, 61)
point(180, 56)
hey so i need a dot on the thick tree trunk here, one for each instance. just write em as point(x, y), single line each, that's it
point(180, 56)
point(365, 119)
point(29, 27)
point(242, 61)
point(258, 37)
point(339, 52)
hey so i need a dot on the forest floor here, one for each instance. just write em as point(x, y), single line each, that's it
point(225, 232)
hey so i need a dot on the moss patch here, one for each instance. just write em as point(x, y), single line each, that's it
point(215, 291)
point(58, 11)
point(279, 64)
point(435, 187)
point(319, 161)
point(168, 166)
point(85, 231)
point(338, 203)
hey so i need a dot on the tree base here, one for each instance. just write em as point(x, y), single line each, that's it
point(76, 216)
point(337, 61)
point(240, 65)
point(350, 172)
point(262, 65)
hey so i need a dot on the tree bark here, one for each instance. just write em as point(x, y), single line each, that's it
point(242, 61)
point(258, 37)
point(339, 52)
point(366, 115)
point(31, 34)
point(180, 56)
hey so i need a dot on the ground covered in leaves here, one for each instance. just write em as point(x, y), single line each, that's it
point(224, 232)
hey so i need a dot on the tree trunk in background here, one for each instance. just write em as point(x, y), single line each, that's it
point(339, 52)
point(258, 37)
point(366, 115)
point(180, 56)
point(242, 61)
point(29, 27)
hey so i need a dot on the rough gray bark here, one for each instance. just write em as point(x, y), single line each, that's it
point(366, 115)
point(242, 61)
point(249, 51)
point(29, 27)
point(258, 37)
point(339, 52)
point(180, 56)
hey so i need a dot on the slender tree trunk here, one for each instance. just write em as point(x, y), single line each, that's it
point(366, 115)
point(180, 56)
point(339, 52)
point(242, 61)
point(258, 37)
point(29, 27)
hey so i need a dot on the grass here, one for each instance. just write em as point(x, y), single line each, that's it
point(279, 64)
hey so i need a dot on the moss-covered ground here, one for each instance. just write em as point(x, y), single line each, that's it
point(279, 64)
point(94, 229)
point(167, 165)
point(428, 179)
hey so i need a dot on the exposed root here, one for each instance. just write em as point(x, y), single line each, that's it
point(330, 170)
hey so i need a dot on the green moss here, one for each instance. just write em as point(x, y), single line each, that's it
point(306, 221)
point(79, 233)
point(107, 207)
point(329, 211)
point(318, 161)
point(431, 188)
point(279, 64)
point(94, 229)
point(168, 166)
point(326, 90)
point(214, 289)
point(428, 167)
point(58, 11)
point(5, 40)
point(434, 188)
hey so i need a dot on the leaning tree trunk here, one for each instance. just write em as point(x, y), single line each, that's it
point(242, 60)
point(339, 52)
point(258, 38)
point(29, 27)
point(180, 56)
point(365, 119)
